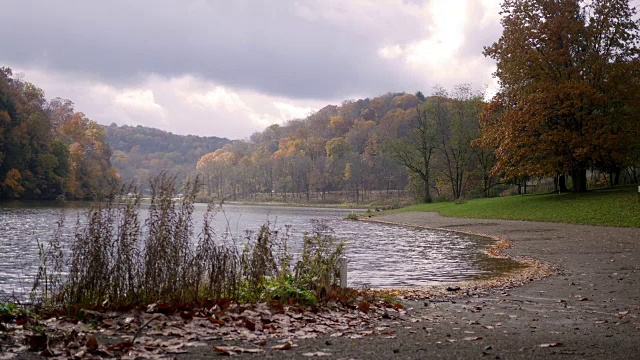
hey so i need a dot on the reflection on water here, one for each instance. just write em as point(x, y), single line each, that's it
point(378, 255)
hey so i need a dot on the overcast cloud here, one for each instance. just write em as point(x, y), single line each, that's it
point(230, 68)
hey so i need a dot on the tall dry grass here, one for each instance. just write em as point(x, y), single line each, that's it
point(117, 260)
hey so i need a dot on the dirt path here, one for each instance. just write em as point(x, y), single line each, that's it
point(592, 308)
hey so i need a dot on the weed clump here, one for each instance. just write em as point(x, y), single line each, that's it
point(352, 216)
point(116, 260)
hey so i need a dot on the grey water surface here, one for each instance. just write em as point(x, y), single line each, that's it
point(378, 255)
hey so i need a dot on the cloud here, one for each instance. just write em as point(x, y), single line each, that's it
point(228, 67)
point(182, 105)
point(391, 52)
point(140, 99)
point(216, 99)
point(443, 55)
point(291, 111)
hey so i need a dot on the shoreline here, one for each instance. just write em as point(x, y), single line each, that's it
point(529, 270)
point(283, 204)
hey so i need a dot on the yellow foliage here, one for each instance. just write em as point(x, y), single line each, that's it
point(13, 180)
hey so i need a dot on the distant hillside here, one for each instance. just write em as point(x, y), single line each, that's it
point(140, 152)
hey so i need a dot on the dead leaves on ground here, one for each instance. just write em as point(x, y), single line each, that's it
point(159, 333)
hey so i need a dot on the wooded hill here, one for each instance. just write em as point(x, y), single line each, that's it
point(358, 152)
point(47, 149)
point(141, 152)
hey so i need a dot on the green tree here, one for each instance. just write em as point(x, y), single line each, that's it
point(457, 127)
point(416, 150)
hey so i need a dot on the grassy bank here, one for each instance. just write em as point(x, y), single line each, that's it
point(605, 207)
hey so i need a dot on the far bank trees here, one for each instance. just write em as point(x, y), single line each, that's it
point(369, 150)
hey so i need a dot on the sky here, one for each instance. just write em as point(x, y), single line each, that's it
point(231, 68)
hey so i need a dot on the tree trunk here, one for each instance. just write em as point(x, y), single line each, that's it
point(562, 183)
point(485, 185)
point(427, 196)
point(579, 177)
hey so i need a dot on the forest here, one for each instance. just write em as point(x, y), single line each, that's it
point(363, 151)
point(140, 152)
point(47, 149)
point(564, 117)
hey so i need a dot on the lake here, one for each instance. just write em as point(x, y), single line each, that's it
point(378, 255)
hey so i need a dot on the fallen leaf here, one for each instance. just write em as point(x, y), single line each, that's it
point(22, 319)
point(250, 325)
point(120, 346)
point(92, 344)
point(37, 342)
point(213, 320)
point(555, 344)
point(317, 353)
point(473, 338)
point(196, 344)
point(231, 350)
point(285, 346)
point(186, 315)
point(177, 349)
point(364, 306)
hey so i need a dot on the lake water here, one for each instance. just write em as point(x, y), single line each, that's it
point(377, 255)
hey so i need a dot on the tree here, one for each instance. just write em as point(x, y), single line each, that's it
point(12, 183)
point(416, 150)
point(568, 73)
point(457, 124)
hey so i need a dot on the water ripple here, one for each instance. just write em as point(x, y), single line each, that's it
point(379, 255)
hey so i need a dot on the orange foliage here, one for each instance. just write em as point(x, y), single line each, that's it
point(558, 109)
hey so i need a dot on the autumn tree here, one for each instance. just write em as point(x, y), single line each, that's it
point(568, 74)
point(48, 151)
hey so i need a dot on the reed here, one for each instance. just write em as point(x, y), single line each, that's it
point(116, 260)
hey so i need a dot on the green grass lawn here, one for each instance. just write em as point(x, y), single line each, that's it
point(605, 207)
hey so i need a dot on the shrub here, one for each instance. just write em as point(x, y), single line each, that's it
point(319, 266)
point(352, 216)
